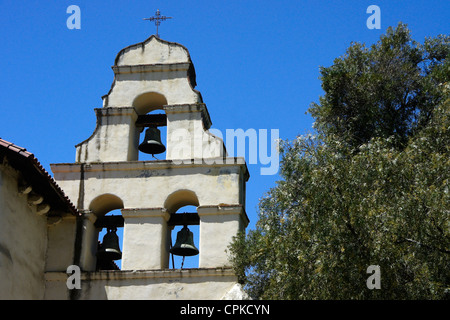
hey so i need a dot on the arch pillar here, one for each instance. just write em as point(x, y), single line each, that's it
point(218, 225)
point(89, 241)
point(117, 126)
point(146, 234)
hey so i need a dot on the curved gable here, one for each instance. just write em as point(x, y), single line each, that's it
point(152, 51)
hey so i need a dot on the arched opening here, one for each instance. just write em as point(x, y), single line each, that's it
point(102, 231)
point(109, 229)
point(182, 206)
point(180, 198)
point(152, 124)
point(177, 261)
point(105, 203)
point(148, 102)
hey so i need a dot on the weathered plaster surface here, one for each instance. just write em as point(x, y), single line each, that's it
point(186, 284)
point(23, 242)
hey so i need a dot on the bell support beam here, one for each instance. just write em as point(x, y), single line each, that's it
point(109, 222)
point(151, 120)
point(185, 218)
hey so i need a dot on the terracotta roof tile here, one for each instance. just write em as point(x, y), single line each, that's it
point(25, 160)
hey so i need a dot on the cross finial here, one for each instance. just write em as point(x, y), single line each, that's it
point(157, 18)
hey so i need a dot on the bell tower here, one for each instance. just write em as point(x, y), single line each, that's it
point(155, 75)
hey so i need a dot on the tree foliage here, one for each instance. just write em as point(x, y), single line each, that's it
point(342, 206)
point(389, 90)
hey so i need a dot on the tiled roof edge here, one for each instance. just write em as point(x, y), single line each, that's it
point(38, 167)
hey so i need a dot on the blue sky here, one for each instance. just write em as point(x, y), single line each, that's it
point(257, 62)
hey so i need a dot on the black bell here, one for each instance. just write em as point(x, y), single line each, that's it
point(184, 246)
point(109, 249)
point(152, 142)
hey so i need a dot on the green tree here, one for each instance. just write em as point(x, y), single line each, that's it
point(388, 90)
point(336, 211)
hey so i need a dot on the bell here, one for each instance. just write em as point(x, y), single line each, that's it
point(152, 142)
point(110, 249)
point(184, 246)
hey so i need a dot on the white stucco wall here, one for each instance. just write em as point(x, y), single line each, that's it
point(154, 65)
point(185, 284)
point(147, 184)
point(115, 137)
point(152, 51)
point(23, 241)
point(175, 87)
point(61, 235)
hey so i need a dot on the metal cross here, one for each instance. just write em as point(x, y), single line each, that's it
point(157, 18)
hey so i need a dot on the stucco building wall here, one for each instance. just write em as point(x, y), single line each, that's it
point(23, 241)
